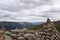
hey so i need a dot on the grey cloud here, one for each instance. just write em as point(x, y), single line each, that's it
point(44, 15)
point(53, 11)
point(41, 2)
point(9, 7)
point(17, 7)
point(15, 11)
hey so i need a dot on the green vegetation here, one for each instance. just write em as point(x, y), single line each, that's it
point(57, 25)
point(38, 27)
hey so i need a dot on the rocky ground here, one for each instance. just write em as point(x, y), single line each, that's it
point(47, 32)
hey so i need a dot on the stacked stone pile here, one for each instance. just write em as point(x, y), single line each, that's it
point(49, 32)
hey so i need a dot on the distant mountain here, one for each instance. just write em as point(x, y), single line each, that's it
point(32, 26)
point(37, 23)
point(36, 27)
point(13, 25)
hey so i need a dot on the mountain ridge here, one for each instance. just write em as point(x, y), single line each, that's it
point(13, 25)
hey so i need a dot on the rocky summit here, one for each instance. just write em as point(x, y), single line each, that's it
point(47, 32)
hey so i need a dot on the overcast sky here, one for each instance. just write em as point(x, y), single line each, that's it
point(29, 10)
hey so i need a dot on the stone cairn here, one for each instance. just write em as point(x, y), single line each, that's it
point(49, 32)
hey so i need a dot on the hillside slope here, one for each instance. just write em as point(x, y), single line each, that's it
point(13, 25)
point(38, 27)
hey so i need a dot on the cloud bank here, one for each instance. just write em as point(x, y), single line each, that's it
point(29, 10)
